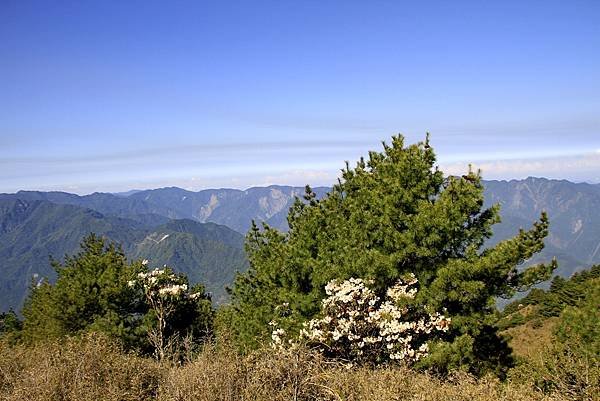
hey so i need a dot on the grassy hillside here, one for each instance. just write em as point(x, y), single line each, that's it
point(555, 333)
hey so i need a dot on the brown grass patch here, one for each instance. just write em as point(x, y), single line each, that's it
point(532, 338)
point(94, 368)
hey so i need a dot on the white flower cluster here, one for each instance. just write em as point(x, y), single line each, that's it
point(277, 337)
point(162, 283)
point(153, 274)
point(173, 290)
point(402, 289)
point(356, 324)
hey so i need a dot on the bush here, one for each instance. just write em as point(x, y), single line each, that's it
point(357, 325)
point(579, 326)
point(98, 290)
point(90, 294)
point(179, 311)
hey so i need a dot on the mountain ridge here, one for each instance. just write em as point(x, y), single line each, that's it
point(191, 217)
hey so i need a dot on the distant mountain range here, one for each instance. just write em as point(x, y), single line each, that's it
point(572, 209)
point(173, 226)
point(231, 207)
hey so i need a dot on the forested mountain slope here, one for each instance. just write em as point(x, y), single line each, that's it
point(32, 231)
point(34, 225)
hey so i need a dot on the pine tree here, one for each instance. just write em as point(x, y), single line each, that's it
point(90, 293)
point(93, 292)
point(393, 214)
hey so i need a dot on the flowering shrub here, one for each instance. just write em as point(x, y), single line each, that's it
point(357, 325)
point(164, 292)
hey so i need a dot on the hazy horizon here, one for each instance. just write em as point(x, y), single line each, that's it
point(245, 188)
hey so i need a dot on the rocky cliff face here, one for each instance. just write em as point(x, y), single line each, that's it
point(233, 208)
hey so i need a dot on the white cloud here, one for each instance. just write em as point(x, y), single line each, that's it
point(584, 167)
point(300, 178)
point(285, 169)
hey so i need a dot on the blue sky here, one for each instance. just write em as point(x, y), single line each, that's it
point(114, 95)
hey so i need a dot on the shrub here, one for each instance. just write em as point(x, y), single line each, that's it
point(357, 325)
point(90, 294)
point(178, 310)
point(97, 290)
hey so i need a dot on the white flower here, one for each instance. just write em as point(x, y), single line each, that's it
point(172, 290)
point(356, 323)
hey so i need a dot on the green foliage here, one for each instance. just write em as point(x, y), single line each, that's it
point(193, 317)
point(10, 327)
point(92, 294)
point(10, 322)
point(551, 303)
point(391, 215)
point(579, 326)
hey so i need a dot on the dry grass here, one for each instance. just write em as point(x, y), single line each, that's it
point(300, 375)
point(95, 369)
point(88, 369)
point(532, 338)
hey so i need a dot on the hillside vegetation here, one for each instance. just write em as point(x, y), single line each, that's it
point(572, 239)
point(94, 368)
point(385, 288)
point(32, 231)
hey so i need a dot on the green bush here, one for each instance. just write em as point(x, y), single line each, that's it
point(579, 326)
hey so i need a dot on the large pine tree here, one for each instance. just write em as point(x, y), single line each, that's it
point(392, 214)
